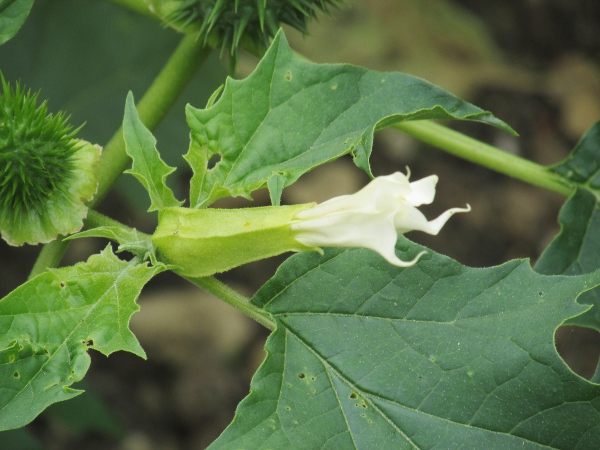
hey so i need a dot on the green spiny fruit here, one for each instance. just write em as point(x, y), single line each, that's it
point(46, 174)
point(231, 23)
point(36, 150)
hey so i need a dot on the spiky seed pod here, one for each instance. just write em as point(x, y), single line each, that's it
point(46, 175)
point(231, 23)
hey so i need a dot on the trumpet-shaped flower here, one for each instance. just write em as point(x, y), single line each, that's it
point(373, 217)
point(201, 242)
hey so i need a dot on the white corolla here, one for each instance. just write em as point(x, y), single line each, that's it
point(372, 217)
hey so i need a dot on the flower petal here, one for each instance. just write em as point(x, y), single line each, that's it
point(422, 191)
point(373, 217)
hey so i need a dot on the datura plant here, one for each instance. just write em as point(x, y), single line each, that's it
point(376, 342)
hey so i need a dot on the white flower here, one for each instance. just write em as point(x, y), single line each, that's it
point(373, 217)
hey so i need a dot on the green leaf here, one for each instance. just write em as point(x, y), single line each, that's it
point(367, 355)
point(48, 324)
point(576, 248)
point(129, 239)
point(147, 167)
point(12, 15)
point(291, 115)
point(582, 166)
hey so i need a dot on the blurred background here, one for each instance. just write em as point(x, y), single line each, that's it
point(534, 63)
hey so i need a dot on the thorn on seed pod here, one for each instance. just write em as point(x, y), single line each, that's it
point(229, 24)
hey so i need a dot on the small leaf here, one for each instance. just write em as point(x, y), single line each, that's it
point(148, 167)
point(291, 115)
point(576, 248)
point(12, 16)
point(275, 184)
point(48, 324)
point(129, 240)
point(367, 355)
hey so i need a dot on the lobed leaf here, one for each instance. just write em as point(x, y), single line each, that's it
point(12, 16)
point(148, 167)
point(291, 115)
point(48, 324)
point(368, 355)
point(576, 248)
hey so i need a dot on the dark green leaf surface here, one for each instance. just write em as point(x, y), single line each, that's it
point(438, 355)
point(583, 164)
point(12, 15)
point(147, 166)
point(291, 115)
point(576, 248)
point(48, 324)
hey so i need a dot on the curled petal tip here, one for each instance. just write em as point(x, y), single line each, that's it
point(399, 263)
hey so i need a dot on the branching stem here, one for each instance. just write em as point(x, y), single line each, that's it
point(235, 299)
point(486, 155)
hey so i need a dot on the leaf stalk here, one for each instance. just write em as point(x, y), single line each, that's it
point(486, 155)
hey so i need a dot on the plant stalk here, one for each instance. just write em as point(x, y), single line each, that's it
point(154, 105)
point(486, 155)
point(235, 299)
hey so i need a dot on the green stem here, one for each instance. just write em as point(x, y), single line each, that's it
point(158, 99)
point(235, 299)
point(49, 256)
point(95, 219)
point(486, 155)
point(152, 108)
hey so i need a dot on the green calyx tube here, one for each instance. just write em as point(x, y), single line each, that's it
point(202, 242)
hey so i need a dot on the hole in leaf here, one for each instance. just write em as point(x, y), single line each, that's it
point(16, 375)
point(63, 284)
point(301, 376)
point(213, 161)
point(353, 396)
point(579, 348)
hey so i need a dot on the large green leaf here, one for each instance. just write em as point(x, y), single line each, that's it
point(48, 324)
point(149, 169)
point(12, 15)
point(576, 248)
point(291, 115)
point(367, 355)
